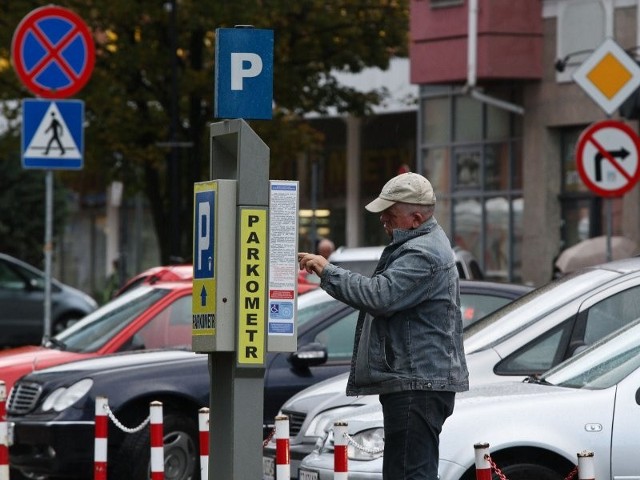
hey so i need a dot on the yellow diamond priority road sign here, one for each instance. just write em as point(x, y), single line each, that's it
point(608, 76)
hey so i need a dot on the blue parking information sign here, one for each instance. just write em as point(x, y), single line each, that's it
point(52, 134)
point(204, 281)
point(243, 73)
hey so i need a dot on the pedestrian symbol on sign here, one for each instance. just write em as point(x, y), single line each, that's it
point(56, 130)
point(52, 137)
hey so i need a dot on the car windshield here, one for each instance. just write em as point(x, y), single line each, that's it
point(603, 364)
point(314, 304)
point(517, 315)
point(99, 327)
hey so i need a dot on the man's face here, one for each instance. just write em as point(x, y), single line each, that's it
point(397, 216)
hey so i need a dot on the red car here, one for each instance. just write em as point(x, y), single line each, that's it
point(146, 317)
point(165, 273)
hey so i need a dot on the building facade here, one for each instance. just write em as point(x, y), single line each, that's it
point(499, 120)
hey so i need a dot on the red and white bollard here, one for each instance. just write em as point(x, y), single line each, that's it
point(586, 466)
point(203, 427)
point(283, 459)
point(340, 459)
point(157, 443)
point(4, 434)
point(483, 466)
point(100, 448)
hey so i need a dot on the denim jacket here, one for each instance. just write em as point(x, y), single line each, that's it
point(409, 331)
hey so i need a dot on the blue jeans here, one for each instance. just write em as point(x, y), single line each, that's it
point(412, 423)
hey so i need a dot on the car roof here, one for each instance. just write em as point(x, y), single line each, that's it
point(164, 273)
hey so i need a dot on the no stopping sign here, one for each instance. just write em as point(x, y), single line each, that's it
point(53, 52)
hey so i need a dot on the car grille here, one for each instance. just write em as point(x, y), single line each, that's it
point(295, 422)
point(23, 398)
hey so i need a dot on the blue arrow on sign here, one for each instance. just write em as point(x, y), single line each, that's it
point(52, 134)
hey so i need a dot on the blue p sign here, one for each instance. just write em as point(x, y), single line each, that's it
point(244, 73)
point(204, 210)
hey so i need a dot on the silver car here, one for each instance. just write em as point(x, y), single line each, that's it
point(534, 429)
point(527, 337)
point(22, 303)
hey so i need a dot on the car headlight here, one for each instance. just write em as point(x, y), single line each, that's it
point(324, 421)
point(62, 398)
point(366, 445)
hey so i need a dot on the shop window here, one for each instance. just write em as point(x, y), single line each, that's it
point(477, 175)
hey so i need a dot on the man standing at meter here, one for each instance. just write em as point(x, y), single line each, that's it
point(408, 342)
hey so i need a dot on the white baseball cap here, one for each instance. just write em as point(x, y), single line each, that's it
point(406, 188)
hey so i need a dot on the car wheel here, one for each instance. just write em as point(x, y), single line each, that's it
point(527, 471)
point(181, 454)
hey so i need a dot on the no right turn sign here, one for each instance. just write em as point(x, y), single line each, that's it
point(607, 158)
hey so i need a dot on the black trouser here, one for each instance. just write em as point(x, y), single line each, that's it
point(413, 420)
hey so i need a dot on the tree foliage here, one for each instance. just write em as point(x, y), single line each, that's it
point(130, 97)
point(22, 216)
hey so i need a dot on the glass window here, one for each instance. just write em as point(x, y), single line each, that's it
point(338, 338)
point(496, 169)
point(536, 357)
point(437, 168)
point(611, 314)
point(435, 120)
point(97, 328)
point(497, 246)
point(468, 225)
point(9, 279)
point(467, 119)
point(169, 328)
point(481, 160)
point(570, 176)
point(468, 161)
point(498, 123)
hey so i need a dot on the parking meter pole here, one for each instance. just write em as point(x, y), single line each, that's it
point(48, 240)
point(237, 371)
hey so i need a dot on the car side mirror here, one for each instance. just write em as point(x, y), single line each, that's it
point(309, 355)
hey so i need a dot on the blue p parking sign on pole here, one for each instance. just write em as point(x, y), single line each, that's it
point(243, 73)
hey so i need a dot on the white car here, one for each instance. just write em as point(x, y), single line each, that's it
point(364, 260)
point(535, 430)
point(526, 337)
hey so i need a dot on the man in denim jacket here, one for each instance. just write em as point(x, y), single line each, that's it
point(408, 341)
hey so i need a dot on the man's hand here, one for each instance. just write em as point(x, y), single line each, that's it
point(312, 263)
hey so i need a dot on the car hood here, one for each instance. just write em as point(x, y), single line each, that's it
point(490, 402)
point(113, 364)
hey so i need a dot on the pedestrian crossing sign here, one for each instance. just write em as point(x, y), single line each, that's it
point(52, 134)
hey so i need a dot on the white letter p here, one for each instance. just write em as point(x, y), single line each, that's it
point(238, 73)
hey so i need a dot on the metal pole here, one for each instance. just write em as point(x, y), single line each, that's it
point(174, 177)
point(313, 228)
point(609, 227)
point(47, 253)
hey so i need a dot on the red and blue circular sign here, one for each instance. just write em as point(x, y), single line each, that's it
point(608, 158)
point(53, 52)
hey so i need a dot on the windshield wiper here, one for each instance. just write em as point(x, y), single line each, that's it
point(53, 341)
point(535, 378)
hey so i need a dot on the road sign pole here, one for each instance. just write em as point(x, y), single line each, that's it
point(48, 239)
point(608, 202)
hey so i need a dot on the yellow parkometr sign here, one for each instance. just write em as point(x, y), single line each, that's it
point(252, 286)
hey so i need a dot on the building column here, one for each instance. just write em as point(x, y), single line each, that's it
point(354, 225)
